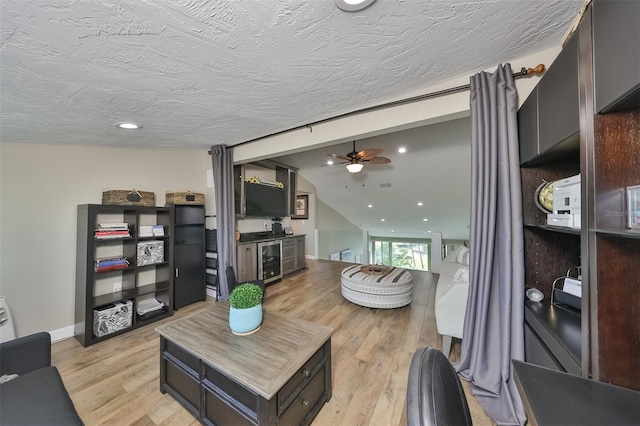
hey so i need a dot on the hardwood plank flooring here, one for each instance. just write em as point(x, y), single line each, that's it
point(116, 382)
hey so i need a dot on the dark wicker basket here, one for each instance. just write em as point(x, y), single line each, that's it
point(184, 197)
point(129, 197)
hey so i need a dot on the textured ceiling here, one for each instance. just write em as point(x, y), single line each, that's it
point(197, 73)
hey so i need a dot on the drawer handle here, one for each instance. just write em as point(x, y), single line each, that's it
point(306, 373)
point(305, 403)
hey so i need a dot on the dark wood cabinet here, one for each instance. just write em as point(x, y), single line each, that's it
point(548, 121)
point(288, 177)
point(616, 54)
point(189, 254)
point(606, 249)
point(100, 289)
point(528, 127)
point(558, 117)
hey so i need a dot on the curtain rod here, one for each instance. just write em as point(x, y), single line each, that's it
point(524, 72)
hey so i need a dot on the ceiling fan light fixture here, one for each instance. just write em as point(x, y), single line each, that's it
point(352, 5)
point(354, 167)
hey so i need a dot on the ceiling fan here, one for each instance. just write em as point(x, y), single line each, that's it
point(355, 159)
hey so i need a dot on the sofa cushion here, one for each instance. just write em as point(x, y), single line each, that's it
point(37, 398)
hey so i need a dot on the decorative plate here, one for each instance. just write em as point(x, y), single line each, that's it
point(543, 197)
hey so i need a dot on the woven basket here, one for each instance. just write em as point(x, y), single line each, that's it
point(184, 197)
point(129, 197)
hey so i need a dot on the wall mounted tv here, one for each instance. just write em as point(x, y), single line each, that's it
point(265, 201)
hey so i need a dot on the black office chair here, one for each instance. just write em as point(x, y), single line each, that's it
point(231, 280)
point(434, 393)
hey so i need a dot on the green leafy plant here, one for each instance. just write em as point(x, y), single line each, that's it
point(245, 296)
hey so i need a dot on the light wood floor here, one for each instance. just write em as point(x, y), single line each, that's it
point(116, 382)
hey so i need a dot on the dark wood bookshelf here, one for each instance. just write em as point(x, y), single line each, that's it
point(92, 287)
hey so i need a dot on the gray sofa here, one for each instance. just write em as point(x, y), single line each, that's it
point(37, 395)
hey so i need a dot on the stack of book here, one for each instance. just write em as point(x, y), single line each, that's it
point(151, 231)
point(105, 264)
point(112, 230)
point(148, 307)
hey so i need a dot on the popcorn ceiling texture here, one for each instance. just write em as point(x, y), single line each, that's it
point(197, 73)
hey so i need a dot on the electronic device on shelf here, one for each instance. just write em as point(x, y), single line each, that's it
point(566, 203)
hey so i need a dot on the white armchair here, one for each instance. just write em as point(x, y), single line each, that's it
point(452, 291)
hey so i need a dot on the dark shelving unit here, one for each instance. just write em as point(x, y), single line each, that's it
point(189, 255)
point(211, 261)
point(98, 289)
point(602, 340)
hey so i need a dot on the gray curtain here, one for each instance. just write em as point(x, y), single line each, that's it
point(222, 158)
point(493, 327)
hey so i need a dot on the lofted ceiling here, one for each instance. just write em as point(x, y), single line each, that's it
point(435, 171)
point(196, 73)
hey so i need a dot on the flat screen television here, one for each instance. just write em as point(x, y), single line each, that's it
point(265, 201)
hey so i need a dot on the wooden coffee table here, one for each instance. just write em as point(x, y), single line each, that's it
point(279, 375)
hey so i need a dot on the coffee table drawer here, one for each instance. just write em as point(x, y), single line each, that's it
point(244, 399)
point(181, 383)
point(300, 408)
point(292, 388)
point(221, 412)
point(183, 356)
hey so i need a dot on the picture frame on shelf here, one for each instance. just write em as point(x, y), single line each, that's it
point(633, 207)
point(302, 207)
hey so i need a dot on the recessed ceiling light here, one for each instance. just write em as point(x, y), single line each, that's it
point(370, 205)
point(329, 162)
point(381, 220)
point(393, 230)
point(428, 232)
point(353, 5)
point(425, 219)
point(419, 203)
point(402, 150)
point(129, 126)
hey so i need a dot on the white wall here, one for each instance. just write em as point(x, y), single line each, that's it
point(336, 233)
point(41, 185)
point(307, 226)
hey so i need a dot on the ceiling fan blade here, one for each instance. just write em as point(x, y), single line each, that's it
point(379, 160)
point(342, 157)
point(367, 154)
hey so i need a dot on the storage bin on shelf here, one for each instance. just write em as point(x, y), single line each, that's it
point(128, 197)
point(150, 253)
point(111, 318)
point(184, 198)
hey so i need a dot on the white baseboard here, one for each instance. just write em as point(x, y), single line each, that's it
point(61, 334)
point(308, 256)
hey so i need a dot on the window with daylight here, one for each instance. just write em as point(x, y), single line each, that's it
point(402, 253)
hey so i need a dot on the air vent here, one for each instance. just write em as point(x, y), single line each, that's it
point(385, 185)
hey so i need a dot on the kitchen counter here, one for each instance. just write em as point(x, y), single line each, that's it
point(257, 237)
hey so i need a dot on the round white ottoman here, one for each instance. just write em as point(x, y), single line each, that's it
point(391, 290)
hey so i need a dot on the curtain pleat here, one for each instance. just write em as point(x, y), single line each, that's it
point(222, 159)
point(494, 321)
